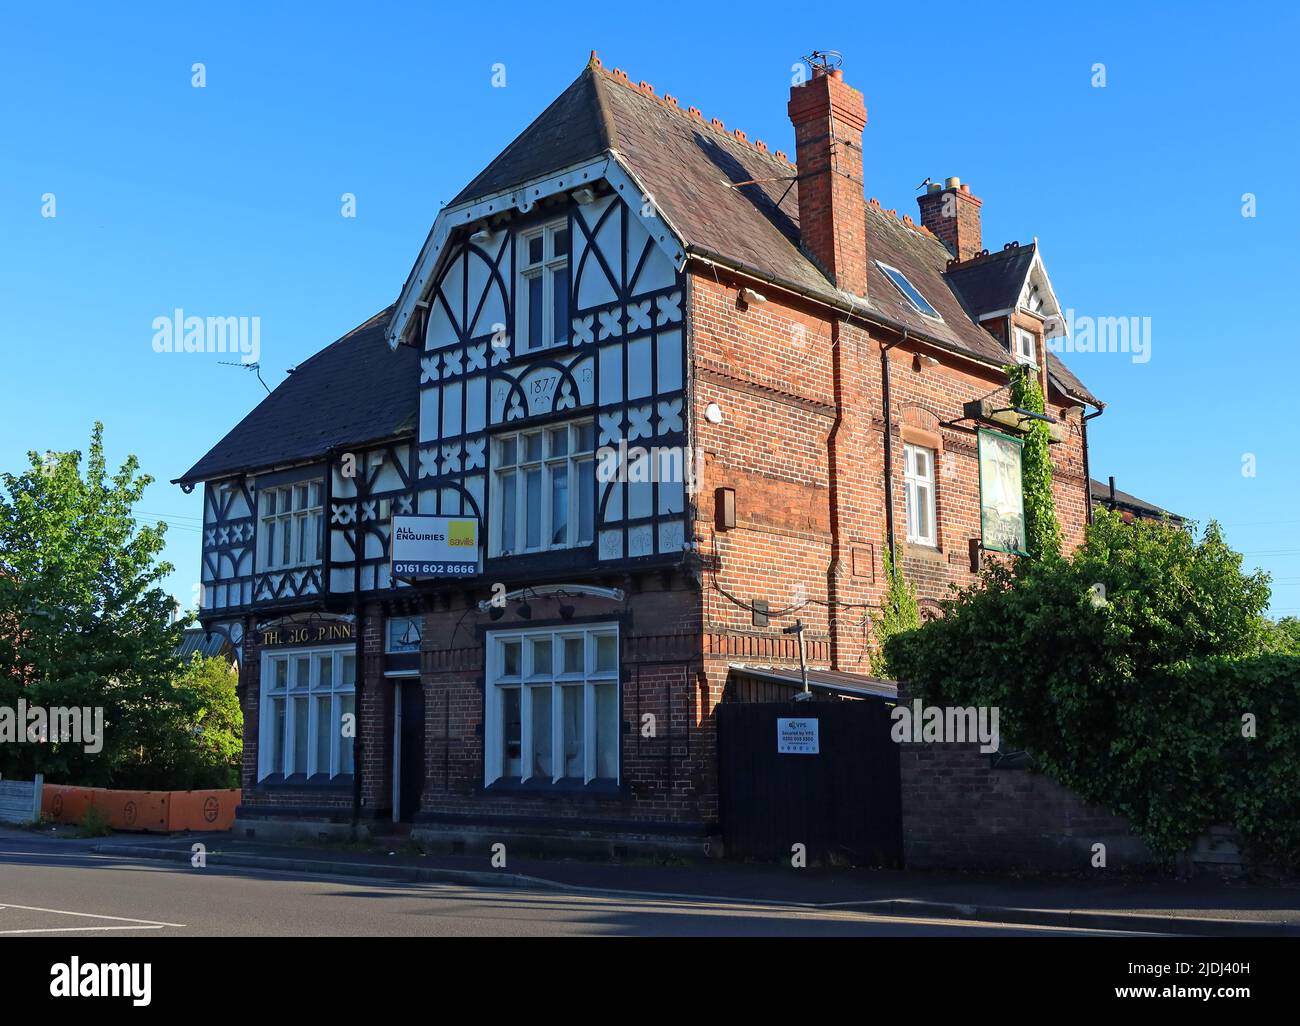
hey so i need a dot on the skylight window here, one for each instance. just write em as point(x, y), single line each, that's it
point(910, 292)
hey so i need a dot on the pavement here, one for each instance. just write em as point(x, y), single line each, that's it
point(1150, 906)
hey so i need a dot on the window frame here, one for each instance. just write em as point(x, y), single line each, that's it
point(312, 691)
point(297, 519)
point(389, 643)
point(551, 265)
point(577, 460)
point(894, 275)
point(913, 484)
point(528, 681)
point(1017, 334)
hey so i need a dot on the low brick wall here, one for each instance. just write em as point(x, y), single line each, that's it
point(960, 812)
point(963, 810)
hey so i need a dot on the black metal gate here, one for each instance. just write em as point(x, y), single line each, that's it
point(842, 803)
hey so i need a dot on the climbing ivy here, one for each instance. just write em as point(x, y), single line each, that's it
point(1042, 531)
point(898, 612)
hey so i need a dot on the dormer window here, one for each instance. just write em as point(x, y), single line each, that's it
point(910, 292)
point(542, 295)
point(1024, 347)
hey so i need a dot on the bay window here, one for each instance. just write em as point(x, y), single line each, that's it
point(308, 696)
point(290, 523)
point(918, 478)
point(553, 706)
point(544, 489)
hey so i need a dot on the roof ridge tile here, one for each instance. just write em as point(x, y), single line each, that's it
point(669, 100)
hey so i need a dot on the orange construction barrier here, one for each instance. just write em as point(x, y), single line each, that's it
point(65, 803)
point(136, 810)
point(154, 811)
point(203, 810)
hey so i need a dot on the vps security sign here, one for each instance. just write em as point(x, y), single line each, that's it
point(425, 546)
point(798, 737)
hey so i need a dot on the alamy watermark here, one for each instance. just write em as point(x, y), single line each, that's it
point(1084, 334)
point(190, 334)
point(661, 464)
point(35, 724)
point(932, 724)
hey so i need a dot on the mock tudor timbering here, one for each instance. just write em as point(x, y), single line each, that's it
point(582, 294)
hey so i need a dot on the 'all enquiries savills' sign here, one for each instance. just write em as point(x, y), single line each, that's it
point(426, 546)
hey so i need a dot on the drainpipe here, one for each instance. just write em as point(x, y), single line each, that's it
point(1087, 467)
point(833, 477)
point(359, 660)
point(889, 450)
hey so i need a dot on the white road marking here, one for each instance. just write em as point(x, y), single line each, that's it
point(93, 915)
point(79, 929)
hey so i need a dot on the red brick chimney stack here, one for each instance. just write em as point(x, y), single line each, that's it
point(829, 116)
point(953, 214)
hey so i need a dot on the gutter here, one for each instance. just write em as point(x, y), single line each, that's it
point(257, 470)
point(1087, 469)
point(851, 309)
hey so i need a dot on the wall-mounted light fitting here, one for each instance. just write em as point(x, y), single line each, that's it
point(713, 413)
point(748, 296)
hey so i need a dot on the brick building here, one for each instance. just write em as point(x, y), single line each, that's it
point(628, 274)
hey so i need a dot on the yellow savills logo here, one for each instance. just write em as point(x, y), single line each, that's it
point(461, 533)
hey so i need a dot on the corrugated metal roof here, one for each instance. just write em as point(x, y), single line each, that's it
point(197, 640)
point(858, 684)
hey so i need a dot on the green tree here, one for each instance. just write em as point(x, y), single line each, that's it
point(84, 620)
point(198, 744)
point(1127, 669)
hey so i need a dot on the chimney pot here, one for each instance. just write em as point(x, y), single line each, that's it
point(952, 213)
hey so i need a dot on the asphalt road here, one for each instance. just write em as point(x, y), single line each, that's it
point(54, 888)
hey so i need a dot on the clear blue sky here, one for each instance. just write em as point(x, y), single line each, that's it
point(225, 200)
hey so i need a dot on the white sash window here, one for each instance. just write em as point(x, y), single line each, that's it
point(544, 489)
point(918, 477)
point(290, 524)
point(308, 698)
point(553, 705)
point(543, 291)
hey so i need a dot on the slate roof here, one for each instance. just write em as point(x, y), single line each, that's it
point(729, 198)
point(694, 169)
point(993, 282)
point(1125, 501)
point(354, 391)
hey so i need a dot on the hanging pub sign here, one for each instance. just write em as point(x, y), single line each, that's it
point(1002, 498)
point(427, 546)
